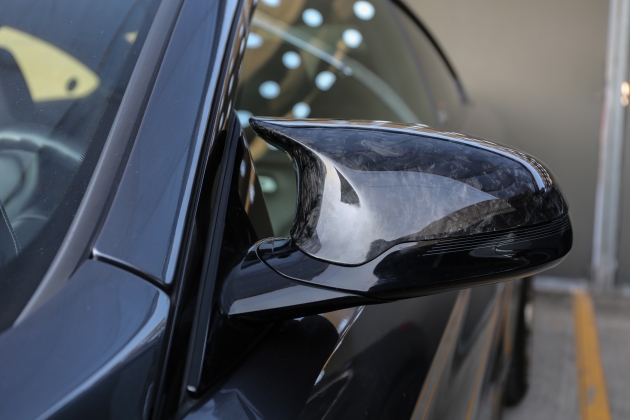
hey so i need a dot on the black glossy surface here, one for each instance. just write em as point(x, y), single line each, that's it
point(273, 279)
point(91, 351)
point(376, 371)
point(239, 220)
point(239, 217)
point(489, 214)
point(277, 287)
point(194, 282)
point(366, 186)
point(426, 267)
point(380, 366)
point(145, 225)
point(255, 289)
point(274, 381)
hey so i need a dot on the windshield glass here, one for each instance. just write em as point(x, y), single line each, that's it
point(64, 67)
point(342, 59)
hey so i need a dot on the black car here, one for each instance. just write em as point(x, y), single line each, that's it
point(206, 214)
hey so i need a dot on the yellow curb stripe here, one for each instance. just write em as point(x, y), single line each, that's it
point(592, 387)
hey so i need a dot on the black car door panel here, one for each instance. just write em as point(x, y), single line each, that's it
point(92, 351)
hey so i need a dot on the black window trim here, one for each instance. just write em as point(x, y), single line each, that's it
point(225, 120)
point(193, 279)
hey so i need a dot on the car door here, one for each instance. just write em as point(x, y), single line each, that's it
point(431, 357)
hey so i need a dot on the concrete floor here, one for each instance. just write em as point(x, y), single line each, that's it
point(553, 392)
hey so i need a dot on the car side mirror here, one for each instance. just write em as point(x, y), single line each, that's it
point(389, 211)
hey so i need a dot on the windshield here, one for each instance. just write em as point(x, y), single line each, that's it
point(342, 59)
point(64, 67)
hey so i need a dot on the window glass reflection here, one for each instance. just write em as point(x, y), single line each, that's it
point(443, 86)
point(324, 59)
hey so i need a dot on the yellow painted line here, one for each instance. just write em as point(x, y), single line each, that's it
point(592, 387)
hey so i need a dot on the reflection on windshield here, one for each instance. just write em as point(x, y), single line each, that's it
point(324, 59)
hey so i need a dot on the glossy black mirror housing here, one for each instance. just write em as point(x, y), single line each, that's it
point(367, 186)
point(388, 211)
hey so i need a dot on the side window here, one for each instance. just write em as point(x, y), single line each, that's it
point(343, 59)
point(442, 84)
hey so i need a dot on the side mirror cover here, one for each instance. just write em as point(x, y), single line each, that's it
point(388, 211)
